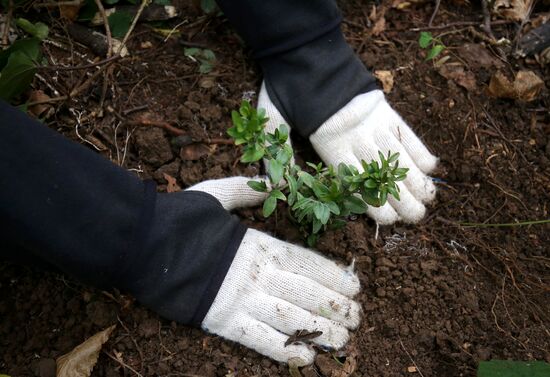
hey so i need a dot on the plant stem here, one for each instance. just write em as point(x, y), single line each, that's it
point(521, 223)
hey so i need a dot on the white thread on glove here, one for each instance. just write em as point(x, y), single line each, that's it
point(273, 289)
point(232, 192)
point(366, 125)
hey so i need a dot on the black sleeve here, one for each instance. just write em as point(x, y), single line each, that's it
point(309, 69)
point(66, 206)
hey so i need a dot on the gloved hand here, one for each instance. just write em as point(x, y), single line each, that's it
point(274, 288)
point(366, 125)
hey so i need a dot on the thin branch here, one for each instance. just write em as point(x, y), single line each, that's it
point(75, 68)
point(6, 35)
point(144, 3)
point(487, 19)
point(437, 4)
point(107, 27)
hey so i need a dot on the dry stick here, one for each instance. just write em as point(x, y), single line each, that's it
point(141, 358)
point(455, 24)
point(6, 35)
point(410, 357)
point(487, 19)
point(107, 27)
point(123, 364)
point(437, 4)
point(144, 3)
point(77, 67)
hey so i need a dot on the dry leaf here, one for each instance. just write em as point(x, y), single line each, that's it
point(70, 11)
point(525, 87)
point(386, 78)
point(517, 10)
point(458, 74)
point(40, 108)
point(477, 55)
point(172, 184)
point(82, 359)
point(195, 151)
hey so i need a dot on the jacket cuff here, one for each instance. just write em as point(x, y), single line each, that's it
point(312, 82)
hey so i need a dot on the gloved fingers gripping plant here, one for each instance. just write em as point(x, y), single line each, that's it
point(322, 199)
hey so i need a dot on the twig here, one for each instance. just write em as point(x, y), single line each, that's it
point(6, 35)
point(56, 4)
point(455, 24)
point(144, 3)
point(133, 341)
point(156, 123)
point(122, 363)
point(437, 4)
point(410, 358)
point(521, 223)
point(486, 19)
point(107, 27)
point(85, 66)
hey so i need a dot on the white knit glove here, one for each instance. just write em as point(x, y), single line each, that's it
point(366, 125)
point(274, 288)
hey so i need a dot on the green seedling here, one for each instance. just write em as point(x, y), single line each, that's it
point(322, 199)
point(19, 62)
point(433, 45)
point(205, 57)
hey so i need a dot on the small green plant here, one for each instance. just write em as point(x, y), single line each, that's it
point(205, 57)
point(433, 45)
point(19, 62)
point(319, 200)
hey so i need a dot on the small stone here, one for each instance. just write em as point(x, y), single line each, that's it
point(380, 292)
point(412, 369)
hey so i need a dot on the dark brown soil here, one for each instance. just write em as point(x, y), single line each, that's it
point(437, 296)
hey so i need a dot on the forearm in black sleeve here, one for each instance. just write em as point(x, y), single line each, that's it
point(309, 69)
point(65, 205)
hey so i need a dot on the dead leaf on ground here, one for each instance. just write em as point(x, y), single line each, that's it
point(525, 87)
point(377, 17)
point(404, 4)
point(195, 151)
point(70, 11)
point(457, 73)
point(477, 55)
point(40, 109)
point(386, 78)
point(172, 184)
point(82, 359)
point(517, 10)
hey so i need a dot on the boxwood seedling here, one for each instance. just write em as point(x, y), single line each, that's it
point(318, 200)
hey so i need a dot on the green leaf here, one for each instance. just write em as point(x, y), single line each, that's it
point(322, 212)
point(333, 207)
point(371, 183)
point(306, 178)
point(252, 154)
point(17, 75)
point(29, 46)
point(269, 206)
point(284, 155)
point(191, 51)
point(277, 194)
point(509, 368)
point(355, 205)
point(38, 30)
point(434, 51)
point(209, 6)
point(316, 225)
point(275, 171)
point(257, 186)
point(425, 39)
point(119, 22)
